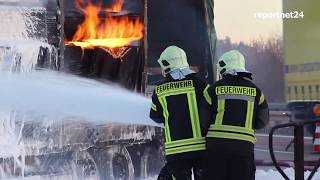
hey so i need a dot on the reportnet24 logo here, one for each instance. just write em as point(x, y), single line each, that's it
point(279, 15)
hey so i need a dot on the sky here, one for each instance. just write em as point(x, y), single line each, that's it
point(236, 19)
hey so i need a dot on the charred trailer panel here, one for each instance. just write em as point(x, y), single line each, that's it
point(184, 23)
point(98, 62)
point(187, 24)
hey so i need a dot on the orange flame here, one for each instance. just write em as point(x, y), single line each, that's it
point(110, 32)
point(117, 7)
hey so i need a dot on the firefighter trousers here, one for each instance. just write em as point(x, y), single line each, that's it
point(182, 170)
point(230, 160)
point(164, 174)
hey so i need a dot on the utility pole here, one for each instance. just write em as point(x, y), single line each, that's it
point(145, 45)
point(60, 34)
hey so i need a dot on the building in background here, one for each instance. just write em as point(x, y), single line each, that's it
point(301, 47)
point(302, 58)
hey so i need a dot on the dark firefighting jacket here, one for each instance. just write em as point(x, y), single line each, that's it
point(175, 103)
point(238, 108)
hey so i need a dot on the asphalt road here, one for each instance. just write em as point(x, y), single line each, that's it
point(285, 157)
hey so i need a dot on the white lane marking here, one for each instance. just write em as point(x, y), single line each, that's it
point(266, 150)
point(281, 136)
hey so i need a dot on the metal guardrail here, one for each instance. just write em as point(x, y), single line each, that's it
point(298, 149)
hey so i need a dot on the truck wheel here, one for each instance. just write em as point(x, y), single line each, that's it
point(120, 167)
point(56, 165)
point(78, 165)
point(84, 166)
point(151, 162)
point(118, 164)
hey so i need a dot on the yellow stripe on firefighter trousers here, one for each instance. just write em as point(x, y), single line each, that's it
point(183, 149)
point(229, 135)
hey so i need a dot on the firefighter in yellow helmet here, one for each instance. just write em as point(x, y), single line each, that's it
point(175, 102)
point(238, 107)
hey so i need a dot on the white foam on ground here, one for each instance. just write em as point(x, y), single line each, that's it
point(260, 175)
point(275, 175)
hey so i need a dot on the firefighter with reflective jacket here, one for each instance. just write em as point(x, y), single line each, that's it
point(238, 107)
point(175, 102)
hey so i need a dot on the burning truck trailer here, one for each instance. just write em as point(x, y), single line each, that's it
point(113, 49)
point(123, 47)
point(74, 149)
point(126, 43)
point(113, 41)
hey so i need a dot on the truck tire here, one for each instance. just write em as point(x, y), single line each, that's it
point(151, 162)
point(117, 164)
point(77, 165)
point(84, 166)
